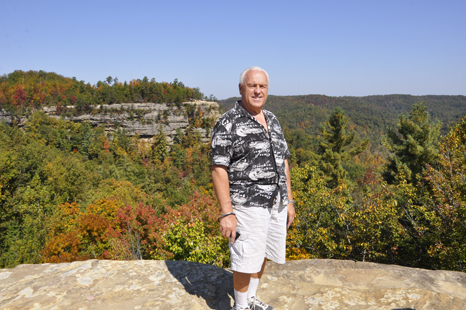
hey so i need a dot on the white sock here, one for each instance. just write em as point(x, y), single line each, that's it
point(241, 300)
point(252, 289)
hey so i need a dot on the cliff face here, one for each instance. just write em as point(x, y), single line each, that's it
point(303, 285)
point(143, 119)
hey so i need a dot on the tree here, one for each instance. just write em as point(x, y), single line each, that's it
point(329, 224)
point(436, 205)
point(333, 149)
point(160, 146)
point(320, 229)
point(413, 144)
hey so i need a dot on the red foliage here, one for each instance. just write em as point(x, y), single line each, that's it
point(19, 97)
point(141, 224)
point(106, 146)
point(370, 178)
point(107, 230)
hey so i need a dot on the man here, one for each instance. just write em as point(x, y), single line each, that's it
point(251, 180)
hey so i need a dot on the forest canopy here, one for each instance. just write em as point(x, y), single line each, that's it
point(25, 91)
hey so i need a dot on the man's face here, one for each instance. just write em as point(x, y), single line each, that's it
point(254, 91)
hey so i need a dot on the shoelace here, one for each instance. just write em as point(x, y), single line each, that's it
point(260, 302)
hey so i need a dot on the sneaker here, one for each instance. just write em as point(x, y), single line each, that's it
point(257, 304)
point(233, 308)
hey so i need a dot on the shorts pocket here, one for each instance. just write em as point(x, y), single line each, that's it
point(237, 248)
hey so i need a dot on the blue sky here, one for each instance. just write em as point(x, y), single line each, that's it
point(336, 48)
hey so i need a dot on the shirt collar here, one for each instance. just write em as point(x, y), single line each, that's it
point(243, 111)
point(240, 109)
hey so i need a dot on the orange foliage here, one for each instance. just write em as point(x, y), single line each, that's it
point(140, 231)
point(78, 235)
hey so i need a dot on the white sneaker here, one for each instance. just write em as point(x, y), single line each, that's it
point(257, 304)
point(233, 308)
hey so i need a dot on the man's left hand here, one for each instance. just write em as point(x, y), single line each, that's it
point(291, 214)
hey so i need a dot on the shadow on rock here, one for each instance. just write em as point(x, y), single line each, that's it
point(213, 284)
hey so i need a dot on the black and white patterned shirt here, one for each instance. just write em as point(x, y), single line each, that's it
point(255, 158)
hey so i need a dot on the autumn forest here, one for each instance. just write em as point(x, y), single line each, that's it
point(379, 178)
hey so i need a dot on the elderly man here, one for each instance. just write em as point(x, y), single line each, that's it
point(251, 179)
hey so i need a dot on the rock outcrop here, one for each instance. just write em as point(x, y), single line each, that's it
point(143, 119)
point(306, 284)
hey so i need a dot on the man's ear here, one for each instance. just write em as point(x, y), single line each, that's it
point(240, 89)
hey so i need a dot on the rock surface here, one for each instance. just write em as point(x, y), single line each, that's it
point(141, 119)
point(307, 284)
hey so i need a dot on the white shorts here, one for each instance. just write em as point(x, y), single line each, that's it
point(262, 234)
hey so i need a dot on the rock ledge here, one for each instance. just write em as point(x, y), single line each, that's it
point(306, 284)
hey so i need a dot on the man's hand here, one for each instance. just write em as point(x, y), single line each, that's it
point(228, 227)
point(291, 214)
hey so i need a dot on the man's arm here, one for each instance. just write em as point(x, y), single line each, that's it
point(291, 212)
point(222, 191)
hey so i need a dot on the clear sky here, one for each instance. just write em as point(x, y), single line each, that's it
point(336, 48)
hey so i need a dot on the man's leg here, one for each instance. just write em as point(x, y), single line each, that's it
point(245, 285)
point(248, 251)
point(276, 250)
point(241, 284)
point(241, 281)
point(255, 279)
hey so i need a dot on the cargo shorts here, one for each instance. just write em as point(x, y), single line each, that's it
point(262, 235)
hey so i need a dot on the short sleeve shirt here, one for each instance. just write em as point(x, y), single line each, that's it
point(255, 158)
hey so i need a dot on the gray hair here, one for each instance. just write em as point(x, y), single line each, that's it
point(255, 68)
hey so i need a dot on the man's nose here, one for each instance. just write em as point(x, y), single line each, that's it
point(257, 89)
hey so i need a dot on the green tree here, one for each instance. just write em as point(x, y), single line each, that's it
point(435, 207)
point(413, 145)
point(329, 224)
point(446, 198)
point(334, 148)
point(160, 147)
point(320, 229)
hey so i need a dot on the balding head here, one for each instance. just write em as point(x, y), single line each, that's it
point(255, 68)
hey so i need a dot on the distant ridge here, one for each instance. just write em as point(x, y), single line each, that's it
point(370, 113)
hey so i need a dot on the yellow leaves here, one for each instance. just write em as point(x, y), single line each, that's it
point(294, 253)
point(329, 224)
point(105, 207)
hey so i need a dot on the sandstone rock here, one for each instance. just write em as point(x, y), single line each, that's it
point(335, 284)
point(141, 119)
point(115, 285)
point(307, 284)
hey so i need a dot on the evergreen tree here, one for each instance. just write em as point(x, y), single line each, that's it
point(413, 145)
point(333, 150)
point(160, 146)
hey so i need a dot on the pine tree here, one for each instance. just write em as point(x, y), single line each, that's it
point(333, 151)
point(413, 144)
point(160, 146)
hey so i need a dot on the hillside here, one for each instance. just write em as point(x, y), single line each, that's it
point(22, 92)
point(373, 114)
